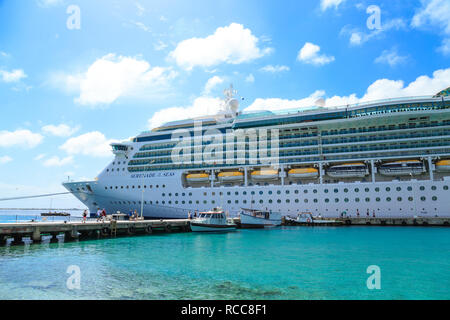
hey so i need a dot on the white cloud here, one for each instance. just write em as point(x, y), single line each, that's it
point(49, 3)
point(274, 104)
point(22, 138)
point(92, 144)
point(380, 89)
point(212, 83)
point(232, 44)
point(57, 162)
point(62, 130)
point(40, 156)
point(5, 159)
point(250, 78)
point(435, 13)
point(112, 77)
point(310, 54)
point(391, 57)
point(274, 69)
point(160, 45)
point(201, 106)
point(358, 37)
point(141, 26)
point(325, 4)
point(12, 76)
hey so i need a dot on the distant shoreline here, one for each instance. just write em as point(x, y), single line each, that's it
point(47, 209)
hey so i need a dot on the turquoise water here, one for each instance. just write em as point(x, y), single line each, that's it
point(279, 263)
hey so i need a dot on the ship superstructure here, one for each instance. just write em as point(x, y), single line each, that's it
point(383, 158)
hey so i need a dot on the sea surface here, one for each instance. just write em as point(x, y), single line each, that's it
point(277, 263)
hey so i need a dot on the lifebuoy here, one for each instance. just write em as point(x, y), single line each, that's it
point(308, 220)
point(148, 229)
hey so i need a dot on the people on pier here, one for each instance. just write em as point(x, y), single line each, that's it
point(103, 215)
point(189, 215)
point(99, 214)
point(374, 213)
point(135, 214)
point(84, 216)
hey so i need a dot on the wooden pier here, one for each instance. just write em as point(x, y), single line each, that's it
point(88, 230)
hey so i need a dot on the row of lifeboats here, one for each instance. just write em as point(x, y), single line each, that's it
point(345, 170)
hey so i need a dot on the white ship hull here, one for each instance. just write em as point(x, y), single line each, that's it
point(430, 198)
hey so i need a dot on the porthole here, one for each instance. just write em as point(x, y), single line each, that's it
point(345, 190)
point(377, 199)
point(377, 189)
point(326, 190)
point(434, 198)
point(305, 191)
point(278, 201)
point(445, 187)
point(398, 189)
point(367, 199)
point(423, 198)
point(296, 200)
point(346, 200)
point(388, 199)
point(306, 200)
point(366, 189)
point(357, 200)
point(287, 200)
point(315, 191)
point(399, 199)
point(356, 189)
point(327, 200)
point(422, 188)
point(261, 192)
point(409, 189)
point(336, 200)
point(315, 200)
point(296, 191)
point(278, 192)
point(335, 190)
point(433, 188)
point(388, 189)
point(287, 191)
point(410, 198)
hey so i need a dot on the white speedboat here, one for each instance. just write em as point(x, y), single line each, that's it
point(212, 221)
point(308, 219)
point(251, 218)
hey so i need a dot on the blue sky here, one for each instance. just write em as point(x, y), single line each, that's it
point(67, 92)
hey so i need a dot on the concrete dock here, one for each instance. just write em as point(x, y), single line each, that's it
point(397, 221)
point(88, 230)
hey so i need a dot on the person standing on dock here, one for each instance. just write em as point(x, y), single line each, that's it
point(99, 214)
point(103, 215)
point(374, 213)
point(135, 215)
point(84, 216)
point(189, 215)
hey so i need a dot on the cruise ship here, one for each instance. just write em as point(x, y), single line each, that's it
point(388, 158)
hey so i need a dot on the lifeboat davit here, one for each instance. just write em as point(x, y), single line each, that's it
point(303, 173)
point(231, 176)
point(348, 170)
point(265, 174)
point(197, 177)
point(443, 165)
point(402, 168)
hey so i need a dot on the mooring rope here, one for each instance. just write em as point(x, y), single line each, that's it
point(35, 196)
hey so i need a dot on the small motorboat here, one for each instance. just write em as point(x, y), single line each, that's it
point(306, 218)
point(212, 221)
point(251, 218)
